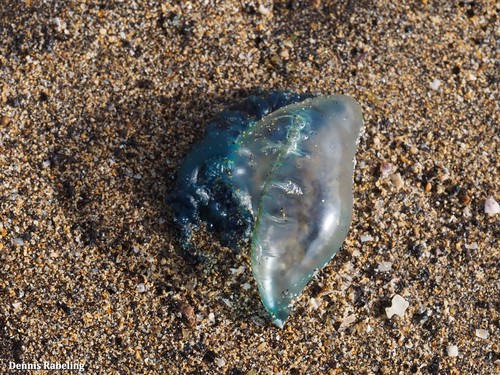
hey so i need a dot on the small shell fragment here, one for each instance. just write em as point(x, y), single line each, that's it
point(491, 206)
point(482, 333)
point(348, 320)
point(384, 266)
point(435, 84)
point(366, 238)
point(399, 306)
point(18, 241)
point(452, 350)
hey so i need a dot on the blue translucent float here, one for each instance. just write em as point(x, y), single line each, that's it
point(278, 169)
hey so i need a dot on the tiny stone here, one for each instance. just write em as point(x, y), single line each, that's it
point(399, 306)
point(284, 54)
point(386, 169)
point(435, 84)
point(397, 181)
point(384, 266)
point(187, 312)
point(264, 10)
point(452, 350)
point(314, 303)
point(316, 4)
point(221, 362)
point(482, 333)
point(5, 120)
point(19, 241)
point(348, 320)
point(491, 206)
point(211, 317)
point(246, 286)
point(237, 271)
point(472, 246)
point(366, 238)
point(141, 288)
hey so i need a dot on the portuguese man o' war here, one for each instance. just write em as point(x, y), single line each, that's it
point(276, 169)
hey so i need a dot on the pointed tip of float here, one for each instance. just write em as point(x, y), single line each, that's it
point(280, 317)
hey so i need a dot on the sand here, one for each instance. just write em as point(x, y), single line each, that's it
point(99, 103)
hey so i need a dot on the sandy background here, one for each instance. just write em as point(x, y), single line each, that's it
point(99, 103)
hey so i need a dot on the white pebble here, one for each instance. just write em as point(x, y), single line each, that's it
point(435, 84)
point(491, 206)
point(384, 266)
point(19, 241)
point(452, 350)
point(386, 169)
point(348, 320)
point(265, 10)
point(472, 246)
point(482, 333)
point(314, 303)
point(221, 362)
point(366, 238)
point(246, 286)
point(397, 181)
point(141, 288)
point(237, 271)
point(399, 306)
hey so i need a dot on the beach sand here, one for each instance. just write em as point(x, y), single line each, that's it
point(99, 103)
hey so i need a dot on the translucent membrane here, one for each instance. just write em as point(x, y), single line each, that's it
point(296, 164)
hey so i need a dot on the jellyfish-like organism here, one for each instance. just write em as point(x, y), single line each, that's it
point(276, 169)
